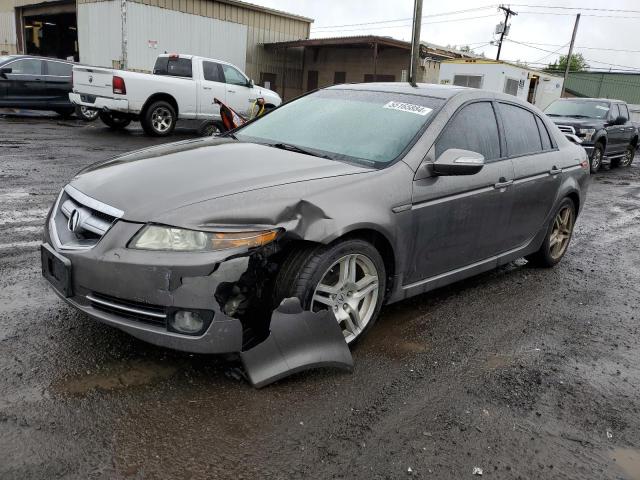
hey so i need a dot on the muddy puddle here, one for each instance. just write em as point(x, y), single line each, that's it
point(627, 461)
point(116, 377)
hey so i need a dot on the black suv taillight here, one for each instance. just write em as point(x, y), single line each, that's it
point(118, 85)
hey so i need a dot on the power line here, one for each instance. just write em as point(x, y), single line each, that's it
point(401, 26)
point(580, 47)
point(576, 8)
point(573, 15)
point(441, 14)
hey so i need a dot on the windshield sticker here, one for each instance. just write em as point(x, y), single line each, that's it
point(601, 107)
point(408, 107)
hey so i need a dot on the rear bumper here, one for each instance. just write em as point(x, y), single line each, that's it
point(102, 103)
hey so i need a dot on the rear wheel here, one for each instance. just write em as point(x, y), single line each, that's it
point(596, 158)
point(347, 278)
point(159, 119)
point(86, 114)
point(559, 233)
point(628, 157)
point(113, 121)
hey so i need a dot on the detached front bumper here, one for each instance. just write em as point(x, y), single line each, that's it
point(100, 103)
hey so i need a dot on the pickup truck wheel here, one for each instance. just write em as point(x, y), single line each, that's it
point(86, 114)
point(111, 121)
point(596, 158)
point(210, 128)
point(159, 119)
point(628, 157)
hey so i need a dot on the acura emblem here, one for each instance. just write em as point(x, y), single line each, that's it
point(74, 221)
point(90, 78)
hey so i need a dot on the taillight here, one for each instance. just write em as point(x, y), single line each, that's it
point(118, 85)
point(585, 163)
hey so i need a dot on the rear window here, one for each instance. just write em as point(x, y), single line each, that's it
point(172, 66)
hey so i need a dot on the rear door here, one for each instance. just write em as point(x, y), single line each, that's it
point(210, 87)
point(615, 133)
point(58, 82)
point(628, 129)
point(460, 220)
point(240, 95)
point(537, 165)
point(25, 84)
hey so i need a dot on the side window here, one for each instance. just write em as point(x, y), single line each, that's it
point(211, 71)
point(544, 135)
point(615, 111)
point(233, 76)
point(28, 66)
point(59, 69)
point(473, 128)
point(624, 111)
point(520, 130)
point(173, 66)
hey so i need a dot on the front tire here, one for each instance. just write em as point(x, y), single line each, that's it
point(559, 233)
point(596, 158)
point(159, 119)
point(347, 278)
point(114, 122)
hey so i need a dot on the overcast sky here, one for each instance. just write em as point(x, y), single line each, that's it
point(532, 25)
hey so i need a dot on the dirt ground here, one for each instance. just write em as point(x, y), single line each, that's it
point(523, 373)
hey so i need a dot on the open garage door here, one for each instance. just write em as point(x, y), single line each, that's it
point(50, 30)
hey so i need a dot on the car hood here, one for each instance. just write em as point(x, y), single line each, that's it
point(578, 122)
point(147, 183)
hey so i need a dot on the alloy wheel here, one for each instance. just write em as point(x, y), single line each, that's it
point(161, 119)
point(627, 159)
point(561, 232)
point(596, 160)
point(350, 289)
point(89, 114)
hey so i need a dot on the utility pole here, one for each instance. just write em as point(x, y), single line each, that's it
point(507, 13)
point(573, 39)
point(415, 43)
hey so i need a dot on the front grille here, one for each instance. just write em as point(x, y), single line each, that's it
point(132, 310)
point(80, 221)
point(567, 129)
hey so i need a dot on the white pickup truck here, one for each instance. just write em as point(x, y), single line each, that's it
point(181, 87)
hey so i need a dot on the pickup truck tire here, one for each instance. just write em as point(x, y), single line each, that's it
point(113, 122)
point(596, 158)
point(159, 119)
point(208, 129)
point(627, 159)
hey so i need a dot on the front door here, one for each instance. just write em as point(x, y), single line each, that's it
point(211, 87)
point(461, 220)
point(25, 84)
point(240, 95)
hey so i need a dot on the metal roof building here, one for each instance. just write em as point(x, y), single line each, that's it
point(618, 85)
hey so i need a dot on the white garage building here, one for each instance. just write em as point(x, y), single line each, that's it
point(534, 86)
point(131, 33)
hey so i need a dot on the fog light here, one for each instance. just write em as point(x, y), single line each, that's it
point(187, 322)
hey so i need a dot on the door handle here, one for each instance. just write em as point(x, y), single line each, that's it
point(231, 91)
point(555, 170)
point(502, 183)
point(206, 88)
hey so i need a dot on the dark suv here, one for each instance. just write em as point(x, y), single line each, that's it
point(37, 83)
point(602, 126)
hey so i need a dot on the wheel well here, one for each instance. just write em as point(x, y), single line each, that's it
point(573, 196)
point(381, 244)
point(160, 96)
point(603, 142)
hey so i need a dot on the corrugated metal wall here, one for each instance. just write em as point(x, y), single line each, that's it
point(7, 32)
point(100, 34)
point(181, 32)
point(620, 86)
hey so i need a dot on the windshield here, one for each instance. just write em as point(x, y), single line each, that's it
point(366, 127)
point(578, 109)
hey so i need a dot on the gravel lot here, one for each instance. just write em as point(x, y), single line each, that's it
point(524, 373)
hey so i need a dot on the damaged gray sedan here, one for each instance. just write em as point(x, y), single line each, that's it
point(283, 239)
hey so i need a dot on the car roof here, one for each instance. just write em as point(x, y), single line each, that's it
point(36, 57)
point(422, 89)
point(585, 99)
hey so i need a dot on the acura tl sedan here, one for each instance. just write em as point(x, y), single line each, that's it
point(341, 201)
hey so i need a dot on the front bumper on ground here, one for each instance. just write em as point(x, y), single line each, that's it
point(101, 103)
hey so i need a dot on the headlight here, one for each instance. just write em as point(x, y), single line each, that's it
point(155, 237)
point(587, 133)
